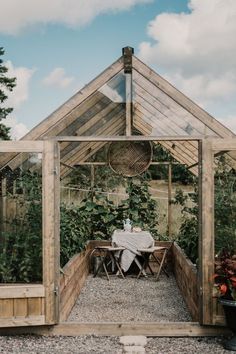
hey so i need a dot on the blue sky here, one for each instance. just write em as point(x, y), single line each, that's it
point(54, 49)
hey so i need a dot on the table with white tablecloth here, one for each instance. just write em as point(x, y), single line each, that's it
point(131, 241)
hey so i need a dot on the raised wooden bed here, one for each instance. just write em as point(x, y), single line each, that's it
point(186, 278)
point(72, 280)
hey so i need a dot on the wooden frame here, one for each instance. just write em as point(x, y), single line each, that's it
point(34, 304)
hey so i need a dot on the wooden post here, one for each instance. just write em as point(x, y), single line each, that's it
point(127, 57)
point(51, 215)
point(128, 94)
point(92, 180)
point(169, 200)
point(3, 205)
point(206, 237)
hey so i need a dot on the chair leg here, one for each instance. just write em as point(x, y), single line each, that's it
point(141, 267)
point(105, 268)
point(102, 264)
point(161, 264)
point(99, 267)
point(117, 264)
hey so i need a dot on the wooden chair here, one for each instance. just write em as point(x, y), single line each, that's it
point(108, 255)
point(152, 251)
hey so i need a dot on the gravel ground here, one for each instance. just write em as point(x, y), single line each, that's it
point(107, 345)
point(120, 300)
point(130, 299)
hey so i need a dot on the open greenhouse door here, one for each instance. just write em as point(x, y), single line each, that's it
point(29, 233)
point(217, 219)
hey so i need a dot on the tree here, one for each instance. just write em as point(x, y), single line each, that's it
point(6, 84)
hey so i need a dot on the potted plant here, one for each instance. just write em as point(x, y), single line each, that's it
point(225, 284)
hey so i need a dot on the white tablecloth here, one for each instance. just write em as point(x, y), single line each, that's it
point(131, 241)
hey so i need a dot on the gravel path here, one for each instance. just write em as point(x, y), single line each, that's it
point(107, 345)
point(130, 299)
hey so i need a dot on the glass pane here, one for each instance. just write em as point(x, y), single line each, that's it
point(21, 218)
point(225, 202)
point(157, 114)
point(224, 226)
point(102, 113)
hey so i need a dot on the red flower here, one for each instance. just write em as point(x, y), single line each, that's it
point(223, 289)
point(225, 275)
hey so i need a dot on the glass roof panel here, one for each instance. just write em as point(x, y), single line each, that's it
point(156, 113)
point(102, 113)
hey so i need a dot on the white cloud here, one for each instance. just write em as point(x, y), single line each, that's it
point(18, 130)
point(196, 51)
point(17, 98)
point(206, 88)
point(16, 15)
point(58, 78)
point(20, 93)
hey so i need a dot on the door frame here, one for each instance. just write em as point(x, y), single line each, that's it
point(208, 307)
point(45, 294)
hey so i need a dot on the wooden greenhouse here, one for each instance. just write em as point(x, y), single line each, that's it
point(128, 102)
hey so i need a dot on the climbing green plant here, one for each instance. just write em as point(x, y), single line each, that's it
point(224, 212)
point(21, 242)
point(140, 207)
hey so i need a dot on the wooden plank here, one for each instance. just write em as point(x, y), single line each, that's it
point(21, 321)
point(74, 288)
point(50, 231)
point(169, 200)
point(83, 154)
point(223, 144)
point(21, 291)
point(187, 280)
point(21, 146)
point(167, 144)
point(12, 147)
point(181, 99)
point(179, 149)
point(169, 329)
point(206, 242)
point(20, 307)
point(102, 114)
point(111, 121)
point(93, 124)
point(34, 306)
point(6, 308)
point(71, 268)
point(142, 127)
point(127, 138)
point(84, 151)
point(56, 219)
point(70, 289)
point(80, 115)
